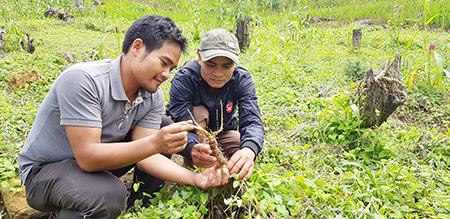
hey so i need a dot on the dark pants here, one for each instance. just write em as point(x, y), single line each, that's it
point(68, 192)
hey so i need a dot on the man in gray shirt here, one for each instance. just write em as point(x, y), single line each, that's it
point(101, 119)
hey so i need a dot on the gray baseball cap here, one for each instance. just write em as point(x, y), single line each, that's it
point(219, 42)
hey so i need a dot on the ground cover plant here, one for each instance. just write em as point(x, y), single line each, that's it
point(317, 161)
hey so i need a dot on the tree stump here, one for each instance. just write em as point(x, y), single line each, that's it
point(78, 4)
point(380, 95)
point(16, 205)
point(356, 38)
point(366, 21)
point(100, 2)
point(243, 33)
point(52, 12)
point(28, 46)
point(2, 38)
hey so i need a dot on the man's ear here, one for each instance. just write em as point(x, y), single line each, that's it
point(137, 46)
point(199, 56)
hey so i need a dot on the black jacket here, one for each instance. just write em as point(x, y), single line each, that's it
point(240, 106)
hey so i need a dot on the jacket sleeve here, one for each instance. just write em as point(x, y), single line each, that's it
point(250, 124)
point(181, 98)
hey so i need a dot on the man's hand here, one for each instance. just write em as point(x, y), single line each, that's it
point(201, 156)
point(172, 138)
point(242, 163)
point(211, 177)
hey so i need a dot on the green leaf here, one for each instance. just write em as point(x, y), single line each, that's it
point(236, 183)
point(227, 201)
point(239, 202)
point(204, 198)
point(135, 187)
point(432, 18)
point(310, 183)
point(447, 73)
point(203, 209)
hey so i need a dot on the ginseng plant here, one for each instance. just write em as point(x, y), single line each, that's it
point(210, 138)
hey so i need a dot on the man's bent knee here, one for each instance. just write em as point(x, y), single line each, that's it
point(201, 115)
point(108, 201)
point(63, 185)
point(230, 142)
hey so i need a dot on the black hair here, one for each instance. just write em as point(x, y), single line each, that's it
point(154, 30)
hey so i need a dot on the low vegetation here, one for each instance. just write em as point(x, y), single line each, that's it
point(317, 161)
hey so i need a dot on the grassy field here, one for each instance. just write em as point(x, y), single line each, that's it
point(316, 161)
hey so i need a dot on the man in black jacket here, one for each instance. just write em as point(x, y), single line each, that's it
point(216, 90)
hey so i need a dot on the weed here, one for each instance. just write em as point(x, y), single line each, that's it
point(339, 122)
point(430, 75)
point(354, 71)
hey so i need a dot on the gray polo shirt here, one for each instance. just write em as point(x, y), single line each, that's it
point(91, 95)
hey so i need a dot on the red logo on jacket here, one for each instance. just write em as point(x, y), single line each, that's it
point(229, 107)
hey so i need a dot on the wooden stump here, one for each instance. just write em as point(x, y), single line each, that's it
point(380, 95)
point(2, 38)
point(28, 46)
point(52, 12)
point(100, 2)
point(78, 4)
point(243, 33)
point(16, 205)
point(357, 38)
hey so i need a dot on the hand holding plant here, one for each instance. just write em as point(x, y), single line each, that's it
point(212, 177)
point(201, 156)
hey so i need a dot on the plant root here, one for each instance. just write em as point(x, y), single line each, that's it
point(210, 138)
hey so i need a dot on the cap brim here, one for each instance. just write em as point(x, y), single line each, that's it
point(209, 54)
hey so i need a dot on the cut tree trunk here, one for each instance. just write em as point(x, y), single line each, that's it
point(357, 38)
point(243, 33)
point(380, 95)
point(16, 205)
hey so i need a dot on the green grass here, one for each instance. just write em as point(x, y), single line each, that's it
point(397, 12)
point(316, 162)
